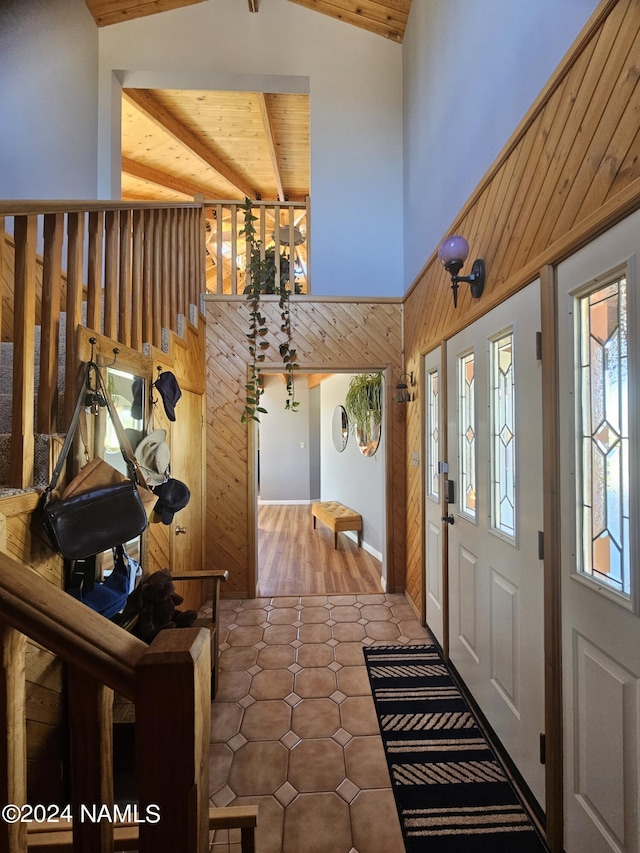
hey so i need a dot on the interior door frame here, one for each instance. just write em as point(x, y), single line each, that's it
point(387, 430)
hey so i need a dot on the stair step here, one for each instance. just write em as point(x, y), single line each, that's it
point(41, 468)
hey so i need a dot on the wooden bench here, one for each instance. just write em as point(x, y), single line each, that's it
point(337, 518)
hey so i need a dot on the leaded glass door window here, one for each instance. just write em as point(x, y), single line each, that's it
point(467, 432)
point(602, 452)
point(433, 434)
point(503, 435)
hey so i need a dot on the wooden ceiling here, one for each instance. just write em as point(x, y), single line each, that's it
point(386, 18)
point(224, 145)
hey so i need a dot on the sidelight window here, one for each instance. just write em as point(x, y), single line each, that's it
point(433, 434)
point(503, 436)
point(602, 402)
point(467, 431)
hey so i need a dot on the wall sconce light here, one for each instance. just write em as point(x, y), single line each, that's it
point(403, 395)
point(452, 254)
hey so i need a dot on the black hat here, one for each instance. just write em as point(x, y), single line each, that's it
point(167, 385)
point(137, 387)
point(172, 496)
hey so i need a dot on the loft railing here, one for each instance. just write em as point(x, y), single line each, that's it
point(282, 230)
point(169, 681)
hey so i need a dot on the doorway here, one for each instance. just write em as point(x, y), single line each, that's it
point(297, 464)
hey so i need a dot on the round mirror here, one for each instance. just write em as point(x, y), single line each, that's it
point(339, 428)
point(369, 439)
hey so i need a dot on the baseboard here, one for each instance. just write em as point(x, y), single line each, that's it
point(284, 503)
point(364, 545)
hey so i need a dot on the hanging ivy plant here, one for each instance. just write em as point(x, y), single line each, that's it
point(261, 280)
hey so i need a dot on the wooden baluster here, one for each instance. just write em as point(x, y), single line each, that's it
point(24, 319)
point(276, 250)
point(308, 245)
point(124, 284)
point(147, 277)
point(75, 243)
point(173, 712)
point(3, 253)
point(219, 255)
point(137, 338)
point(91, 726)
point(292, 249)
point(50, 323)
point(156, 282)
point(193, 267)
point(111, 274)
point(13, 743)
point(165, 274)
point(263, 230)
point(234, 248)
point(173, 269)
point(201, 254)
point(180, 249)
point(94, 271)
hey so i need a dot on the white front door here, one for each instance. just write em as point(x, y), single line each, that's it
point(599, 327)
point(495, 574)
point(433, 454)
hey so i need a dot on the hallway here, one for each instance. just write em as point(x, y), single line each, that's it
point(293, 725)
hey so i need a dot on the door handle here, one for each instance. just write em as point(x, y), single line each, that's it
point(448, 519)
point(180, 530)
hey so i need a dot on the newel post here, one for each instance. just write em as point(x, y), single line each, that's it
point(13, 735)
point(173, 711)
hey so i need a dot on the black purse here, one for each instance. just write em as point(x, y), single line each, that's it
point(102, 517)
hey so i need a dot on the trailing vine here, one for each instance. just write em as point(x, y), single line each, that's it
point(261, 280)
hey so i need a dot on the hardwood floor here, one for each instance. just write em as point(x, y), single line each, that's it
point(295, 559)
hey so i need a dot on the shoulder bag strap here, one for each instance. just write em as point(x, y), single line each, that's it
point(73, 426)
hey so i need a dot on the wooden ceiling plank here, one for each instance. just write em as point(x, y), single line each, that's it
point(107, 12)
point(380, 18)
point(268, 130)
point(144, 100)
point(156, 176)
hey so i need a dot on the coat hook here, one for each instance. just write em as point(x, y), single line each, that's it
point(93, 342)
point(115, 352)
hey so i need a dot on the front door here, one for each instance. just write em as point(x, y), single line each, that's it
point(433, 454)
point(599, 328)
point(495, 574)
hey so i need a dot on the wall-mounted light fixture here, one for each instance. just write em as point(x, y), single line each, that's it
point(452, 254)
point(403, 395)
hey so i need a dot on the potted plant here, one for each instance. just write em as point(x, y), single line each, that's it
point(363, 403)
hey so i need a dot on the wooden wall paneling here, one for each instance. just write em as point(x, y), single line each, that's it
point(610, 95)
point(13, 746)
point(111, 245)
point(24, 319)
point(609, 151)
point(328, 335)
point(3, 255)
point(137, 265)
point(124, 283)
point(94, 270)
point(50, 323)
point(626, 172)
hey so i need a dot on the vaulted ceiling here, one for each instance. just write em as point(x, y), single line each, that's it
point(386, 18)
point(225, 145)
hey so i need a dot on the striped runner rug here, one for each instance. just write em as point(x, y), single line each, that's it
point(451, 792)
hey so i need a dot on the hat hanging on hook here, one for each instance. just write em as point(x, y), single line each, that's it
point(168, 388)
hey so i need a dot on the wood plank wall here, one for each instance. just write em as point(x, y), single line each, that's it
point(570, 171)
point(328, 334)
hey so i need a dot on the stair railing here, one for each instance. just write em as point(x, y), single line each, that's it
point(169, 681)
point(132, 272)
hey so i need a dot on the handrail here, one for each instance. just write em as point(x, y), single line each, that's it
point(22, 207)
point(51, 617)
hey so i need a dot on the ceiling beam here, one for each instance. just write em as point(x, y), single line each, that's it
point(253, 5)
point(268, 130)
point(162, 179)
point(145, 101)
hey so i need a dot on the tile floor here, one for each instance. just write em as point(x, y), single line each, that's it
point(293, 727)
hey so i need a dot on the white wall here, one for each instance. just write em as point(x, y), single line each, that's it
point(48, 104)
point(285, 464)
point(355, 83)
point(349, 477)
point(472, 69)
